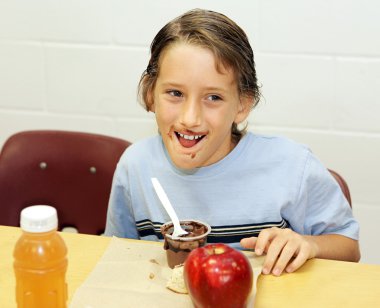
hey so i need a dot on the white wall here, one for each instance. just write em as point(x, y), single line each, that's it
point(75, 65)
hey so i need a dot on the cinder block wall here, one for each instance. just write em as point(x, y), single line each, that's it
point(75, 65)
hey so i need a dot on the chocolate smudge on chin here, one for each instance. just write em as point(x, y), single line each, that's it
point(193, 155)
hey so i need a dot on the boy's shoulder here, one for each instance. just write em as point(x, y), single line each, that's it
point(277, 143)
point(147, 142)
point(268, 149)
point(143, 148)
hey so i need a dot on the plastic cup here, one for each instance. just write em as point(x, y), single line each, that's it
point(179, 248)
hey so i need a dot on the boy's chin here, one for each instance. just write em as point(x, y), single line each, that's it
point(186, 162)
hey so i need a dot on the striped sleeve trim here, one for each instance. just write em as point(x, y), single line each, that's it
point(218, 234)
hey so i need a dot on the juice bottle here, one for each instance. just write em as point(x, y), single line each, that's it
point(40, 260)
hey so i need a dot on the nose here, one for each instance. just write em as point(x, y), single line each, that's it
point(191, 113)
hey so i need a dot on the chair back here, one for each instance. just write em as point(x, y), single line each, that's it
point(343, 185)
point(71, 171)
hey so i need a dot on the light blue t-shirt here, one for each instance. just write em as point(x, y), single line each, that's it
point(263, 182)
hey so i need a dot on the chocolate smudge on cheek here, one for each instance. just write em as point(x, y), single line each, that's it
point(171, 132)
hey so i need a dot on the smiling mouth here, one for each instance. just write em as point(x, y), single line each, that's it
point(188, 141)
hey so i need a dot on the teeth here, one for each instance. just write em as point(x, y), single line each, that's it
point(190, 137)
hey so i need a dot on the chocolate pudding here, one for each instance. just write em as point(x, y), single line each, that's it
point(178, 249)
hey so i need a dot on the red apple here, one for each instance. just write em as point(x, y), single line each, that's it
point(218, 275)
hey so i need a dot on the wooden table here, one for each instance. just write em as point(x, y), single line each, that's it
point(319, 283)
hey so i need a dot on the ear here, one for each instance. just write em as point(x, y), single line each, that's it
point(245, 107)
point(150, 101)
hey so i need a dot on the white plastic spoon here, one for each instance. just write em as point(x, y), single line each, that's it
point(169, 209)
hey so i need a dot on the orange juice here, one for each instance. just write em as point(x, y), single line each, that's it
point(40, 263)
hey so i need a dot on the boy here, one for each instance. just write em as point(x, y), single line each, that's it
point(264, 193)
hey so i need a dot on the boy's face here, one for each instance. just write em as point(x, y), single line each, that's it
point(195, 106)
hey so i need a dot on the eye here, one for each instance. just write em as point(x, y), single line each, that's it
point(214, 97)
point(175, 93)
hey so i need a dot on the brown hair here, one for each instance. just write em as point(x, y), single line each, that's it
point(213, 31)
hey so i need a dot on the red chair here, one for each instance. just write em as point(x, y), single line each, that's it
point(343, 185)
point(71, 171)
